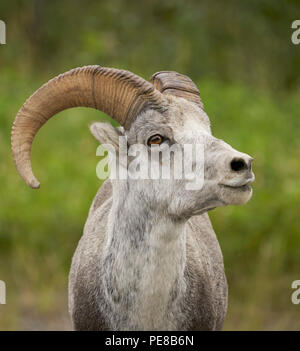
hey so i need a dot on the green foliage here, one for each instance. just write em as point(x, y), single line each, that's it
point(248, 41)
point(241, 56)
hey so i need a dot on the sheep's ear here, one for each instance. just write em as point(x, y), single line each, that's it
point(105, 133)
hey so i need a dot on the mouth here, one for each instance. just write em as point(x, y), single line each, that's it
point(244, 187)
point(239, 185)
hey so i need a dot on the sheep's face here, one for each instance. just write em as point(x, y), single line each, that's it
point(200, 173)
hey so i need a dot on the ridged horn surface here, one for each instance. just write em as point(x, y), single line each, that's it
point(120, 94)
point(173, 83)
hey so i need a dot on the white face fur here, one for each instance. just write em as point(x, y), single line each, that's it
point(226, 173)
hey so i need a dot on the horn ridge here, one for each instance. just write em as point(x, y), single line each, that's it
point(174, 83)
point(118, 93)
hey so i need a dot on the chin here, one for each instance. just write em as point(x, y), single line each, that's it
point(237, 196)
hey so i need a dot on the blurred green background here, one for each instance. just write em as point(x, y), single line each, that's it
point(240, 55)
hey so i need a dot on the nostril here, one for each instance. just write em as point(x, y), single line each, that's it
point(238, 164)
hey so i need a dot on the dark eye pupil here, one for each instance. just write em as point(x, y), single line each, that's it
point(156, 139)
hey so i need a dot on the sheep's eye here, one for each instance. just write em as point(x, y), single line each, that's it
point(155, 140)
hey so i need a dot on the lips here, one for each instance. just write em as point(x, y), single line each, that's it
point(244, 187)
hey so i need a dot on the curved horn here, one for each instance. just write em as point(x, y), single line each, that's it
point(120, 94)
point(173, 83)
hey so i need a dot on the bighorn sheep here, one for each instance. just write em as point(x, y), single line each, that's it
point(148, 258)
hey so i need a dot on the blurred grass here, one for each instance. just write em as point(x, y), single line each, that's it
point(40, 229)
point(260, 241)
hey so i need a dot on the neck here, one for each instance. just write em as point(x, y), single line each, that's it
point(145, 258)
